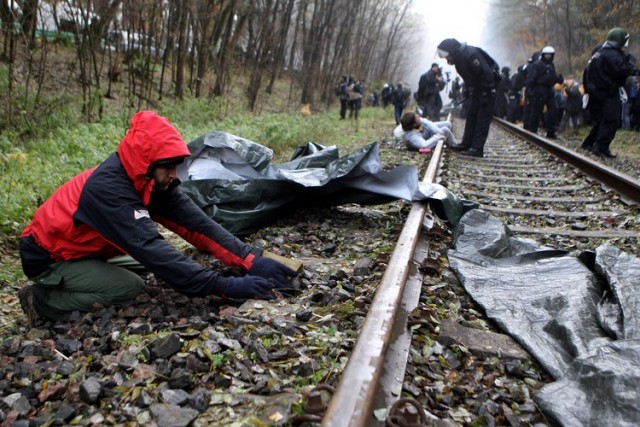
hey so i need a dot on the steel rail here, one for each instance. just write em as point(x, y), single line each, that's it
point(625, 185)
point(353, 400)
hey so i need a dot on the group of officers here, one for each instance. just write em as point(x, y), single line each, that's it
point(530, 92)
point(531, 89)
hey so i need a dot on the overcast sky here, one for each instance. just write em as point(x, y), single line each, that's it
point(463, 20)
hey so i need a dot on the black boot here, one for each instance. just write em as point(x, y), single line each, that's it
point(459, 147)
point(473, 152)
point(603, 152)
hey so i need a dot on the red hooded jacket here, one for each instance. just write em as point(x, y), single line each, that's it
point(110, 210)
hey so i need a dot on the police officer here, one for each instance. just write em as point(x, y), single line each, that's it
point(502, 93)
point(526, 111)
point(429, 88)
point(541, 77)
point(605, 73)
point(401, 97)
point(480, 74)
point(516, 84)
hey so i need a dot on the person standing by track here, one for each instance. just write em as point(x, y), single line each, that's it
point(604, 75)
point(400, 100)
point(502, 93)
point(429, 88)
point(541, 78)
point(515, 107)
point(481, 75)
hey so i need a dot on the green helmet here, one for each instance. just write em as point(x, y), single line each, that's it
point(620, 36)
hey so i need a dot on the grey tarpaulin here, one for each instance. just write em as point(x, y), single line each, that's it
point(233, 181)
point(577, 314)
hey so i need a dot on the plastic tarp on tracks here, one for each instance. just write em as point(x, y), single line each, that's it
point(577, 314)
point(233, 181)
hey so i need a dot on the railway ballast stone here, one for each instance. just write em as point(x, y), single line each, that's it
point(363, 267)
point(483, 343)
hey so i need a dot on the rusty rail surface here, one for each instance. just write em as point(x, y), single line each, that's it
point(353, 400)
point(625, 185)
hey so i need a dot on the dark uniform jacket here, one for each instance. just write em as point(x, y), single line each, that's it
point(474, 67)
point(517, 83)
point(112, 209)
point(431, 82)
point(607, 71)
point(541, 74)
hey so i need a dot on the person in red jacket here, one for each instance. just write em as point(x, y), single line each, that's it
point(89, 242)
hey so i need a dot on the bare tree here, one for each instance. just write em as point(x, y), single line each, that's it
point(226, 36)
point(280, 41)
point(29, 21)
point(310, 41)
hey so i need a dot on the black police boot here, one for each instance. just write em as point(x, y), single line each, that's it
point(473, 152)
point(603, 152)
point(459, 147)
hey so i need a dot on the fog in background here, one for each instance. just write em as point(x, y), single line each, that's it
point(464, 20)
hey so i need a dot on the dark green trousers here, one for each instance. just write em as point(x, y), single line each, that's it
point(68, 286)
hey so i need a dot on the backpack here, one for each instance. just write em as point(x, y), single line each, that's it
point(353, 92)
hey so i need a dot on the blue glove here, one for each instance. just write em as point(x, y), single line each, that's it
point(280, 274)
point(246, 287)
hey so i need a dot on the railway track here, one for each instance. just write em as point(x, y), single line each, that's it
point(257, 361)
point(540, 190)
point(544, 191)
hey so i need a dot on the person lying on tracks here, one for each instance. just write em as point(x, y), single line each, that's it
point(91, 240)
point(417, 132)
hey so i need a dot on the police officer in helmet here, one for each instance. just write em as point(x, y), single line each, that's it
point(541, 77)
point(605, 73)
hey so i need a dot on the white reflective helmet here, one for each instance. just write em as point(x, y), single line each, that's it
point(547, 49)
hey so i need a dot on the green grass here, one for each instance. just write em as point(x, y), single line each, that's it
point(626, 142)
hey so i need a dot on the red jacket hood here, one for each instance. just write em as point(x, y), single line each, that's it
point(149, 139)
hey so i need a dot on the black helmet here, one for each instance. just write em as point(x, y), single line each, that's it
point(534, 57)
point(448, 47)
point(506, 70)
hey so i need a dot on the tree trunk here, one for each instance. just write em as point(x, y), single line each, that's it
point(182, 45)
